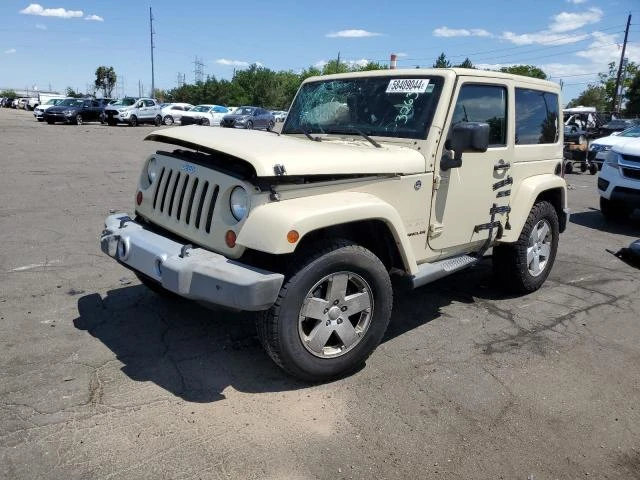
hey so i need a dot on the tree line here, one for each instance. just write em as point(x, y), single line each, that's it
point(259, 85)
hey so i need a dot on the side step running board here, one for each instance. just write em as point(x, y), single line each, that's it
point(429, 272)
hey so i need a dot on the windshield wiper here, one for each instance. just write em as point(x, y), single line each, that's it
point(352, 129)
point(308, 135)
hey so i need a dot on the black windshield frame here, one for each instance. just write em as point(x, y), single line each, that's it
point(345, 105)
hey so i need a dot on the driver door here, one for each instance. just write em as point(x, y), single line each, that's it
point(462, 203)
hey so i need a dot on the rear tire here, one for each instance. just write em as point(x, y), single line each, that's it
point(523, 267)
point(593, 168)
point(270, 126)
point(249, 125)
point(314, 343)
point(157, 121)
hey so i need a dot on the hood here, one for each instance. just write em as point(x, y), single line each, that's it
point(188, 113)
point(630, 147)
point(58, 108)
point(613, 140)
point(299, 156)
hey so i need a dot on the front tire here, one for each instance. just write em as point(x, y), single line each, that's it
point(523, 267)
point(133, 121)
point(593, 168)
point(78, 119)
point(613, 212)
point(568, 167)
point(168, 120)
point(331, 313)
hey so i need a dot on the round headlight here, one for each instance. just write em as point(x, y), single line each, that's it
point(152, 170)
point(239, 203)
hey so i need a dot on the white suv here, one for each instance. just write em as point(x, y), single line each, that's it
point(598, 149)
point(134, 111)
point(619, 181)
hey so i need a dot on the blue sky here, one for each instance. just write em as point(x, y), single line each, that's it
point(61, 42)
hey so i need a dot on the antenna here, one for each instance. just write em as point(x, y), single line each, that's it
point(153, 80)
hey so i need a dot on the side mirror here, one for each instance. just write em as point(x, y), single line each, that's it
point(465, 137)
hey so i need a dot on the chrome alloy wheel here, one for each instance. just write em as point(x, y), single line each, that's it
point(539, 248)
point(335, 314)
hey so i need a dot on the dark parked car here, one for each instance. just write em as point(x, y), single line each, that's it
point(249, 117)
point(103, 102)
point(75, 111)
point(575, 134)
point(616, 125)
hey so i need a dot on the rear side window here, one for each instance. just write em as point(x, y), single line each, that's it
point(484, 103)
point(536, 117)
point(148, 103)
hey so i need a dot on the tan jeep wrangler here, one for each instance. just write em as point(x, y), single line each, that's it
point(415, 172)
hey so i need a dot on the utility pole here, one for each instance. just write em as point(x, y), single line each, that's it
point(624, 47)
point(153, 80)
point(338, 64)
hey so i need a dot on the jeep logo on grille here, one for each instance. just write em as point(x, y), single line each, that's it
point(190, 169)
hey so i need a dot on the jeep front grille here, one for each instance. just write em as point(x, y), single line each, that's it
point(185, 198)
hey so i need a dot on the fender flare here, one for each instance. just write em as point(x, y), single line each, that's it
point(266, 227)
point(524, 198)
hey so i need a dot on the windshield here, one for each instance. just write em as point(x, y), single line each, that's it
point(53, 101)
point(244, 111)
point(200, 108)
point(377, 106)
point(633, 132)
point(124, 102)
point(71, 102)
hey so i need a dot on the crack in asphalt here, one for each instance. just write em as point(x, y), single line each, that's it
point(524, 336)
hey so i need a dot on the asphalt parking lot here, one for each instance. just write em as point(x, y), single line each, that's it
point(100, 378)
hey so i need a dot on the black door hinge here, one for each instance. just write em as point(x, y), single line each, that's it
point(486, 226)
point(503, 209)
point(503, 183)
point(504, 193)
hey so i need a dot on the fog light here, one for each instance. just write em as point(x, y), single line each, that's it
point(603, 184)
point(139, 198)
point(230, 238)
point(293, 236)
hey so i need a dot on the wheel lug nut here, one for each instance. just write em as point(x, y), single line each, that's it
point(328, 323)
point(344, 308)
point(335, 302)
point(326, 310)
point(339, 321)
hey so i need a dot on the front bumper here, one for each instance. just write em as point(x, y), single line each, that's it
point(115, 116)
point(613, 186)
point(57, 117)
point(192, 273)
